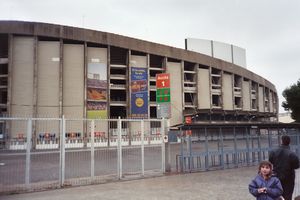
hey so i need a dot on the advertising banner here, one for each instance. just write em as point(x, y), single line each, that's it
point(97, 91)
point(139, 92)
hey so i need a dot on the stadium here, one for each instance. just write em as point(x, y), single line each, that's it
point(49, 70)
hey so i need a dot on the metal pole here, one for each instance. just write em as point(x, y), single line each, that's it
point(247, 146)
point(222, 147)
point(189, 147)
point(168, 149)
point(297, 142)
point(119, 148)
point(163, 147)
point(62, 151)
point(28, 147)
point(206, 150)
point(235, 148)
point(143, 147)
point(259, 147)
point(181, 150)
point(92, 149)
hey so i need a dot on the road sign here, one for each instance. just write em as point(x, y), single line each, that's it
point(188, 119)
point(163, 110)
point(163, 95)
point(162, 81)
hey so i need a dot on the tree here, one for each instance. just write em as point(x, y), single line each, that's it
point(292, 97)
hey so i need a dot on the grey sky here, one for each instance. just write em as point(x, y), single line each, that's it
point(269, 30)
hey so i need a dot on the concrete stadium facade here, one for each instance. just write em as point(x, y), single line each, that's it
point(45, 71)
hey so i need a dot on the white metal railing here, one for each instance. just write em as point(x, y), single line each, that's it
point(64, 160)
point(3, 60)
point(118, 86)
point(118, 66)
point(190, 89)
point(156, 69)
point(117, 76)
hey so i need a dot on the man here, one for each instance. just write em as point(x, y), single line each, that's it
point(284, 164)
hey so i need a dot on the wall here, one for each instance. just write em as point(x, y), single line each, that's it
point(176, 92)
point(203, 89)
point(73, 85)
point(22, 96)
point(246, 96)
point(227, 92)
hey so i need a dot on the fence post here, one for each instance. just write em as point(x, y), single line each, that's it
point(222, 147)
point(143, 147)
point(119, 148)
point(62, 151)
point(163, 147)
point(259, 147)
point(206, 150)
point(28, 147)
point(189, 151)
point(181, 158)
point(168, 149)
point(247, 146)
point(92, 139)
point(235, 148)
point(298, 142)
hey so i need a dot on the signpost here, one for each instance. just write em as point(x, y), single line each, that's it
point(163, 95)
point(188, 119)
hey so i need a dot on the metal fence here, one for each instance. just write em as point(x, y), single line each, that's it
point(220, 147)
point(43, 153)
point(216, 147)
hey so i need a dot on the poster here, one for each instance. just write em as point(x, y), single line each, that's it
point(139, 92)
point(97, 91)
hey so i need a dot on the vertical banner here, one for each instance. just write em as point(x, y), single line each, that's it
point(97, 91)
point(139, 92)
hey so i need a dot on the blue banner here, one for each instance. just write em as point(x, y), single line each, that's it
point(139, 92)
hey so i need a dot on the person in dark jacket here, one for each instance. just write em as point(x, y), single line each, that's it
point(285, 162)
point(265, 186)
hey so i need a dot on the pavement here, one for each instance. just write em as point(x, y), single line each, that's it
point(229, 184)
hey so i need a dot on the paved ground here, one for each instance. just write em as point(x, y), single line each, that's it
point(230, 184)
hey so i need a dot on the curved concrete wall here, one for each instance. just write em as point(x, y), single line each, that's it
point(50, 61)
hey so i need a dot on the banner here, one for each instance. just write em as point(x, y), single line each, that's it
point(97, 91)
point(139, 92)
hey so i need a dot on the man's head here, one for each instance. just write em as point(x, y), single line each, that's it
point(285, 140)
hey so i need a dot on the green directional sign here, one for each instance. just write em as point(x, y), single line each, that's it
point(163, 95)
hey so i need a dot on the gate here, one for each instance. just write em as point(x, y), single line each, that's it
point(40, 153)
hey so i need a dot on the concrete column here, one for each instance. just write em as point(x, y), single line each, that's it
point(182, 84)
point(9, 78)
point(61, 78)
point(35, 90)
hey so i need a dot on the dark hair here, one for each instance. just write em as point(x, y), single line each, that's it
point(265, 163)
point(285, 140)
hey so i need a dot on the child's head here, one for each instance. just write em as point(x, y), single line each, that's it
point(265, 168)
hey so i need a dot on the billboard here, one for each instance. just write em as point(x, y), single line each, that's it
point(97, 91)
point(139, 92)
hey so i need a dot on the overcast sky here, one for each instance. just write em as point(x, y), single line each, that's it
point(269, 30)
